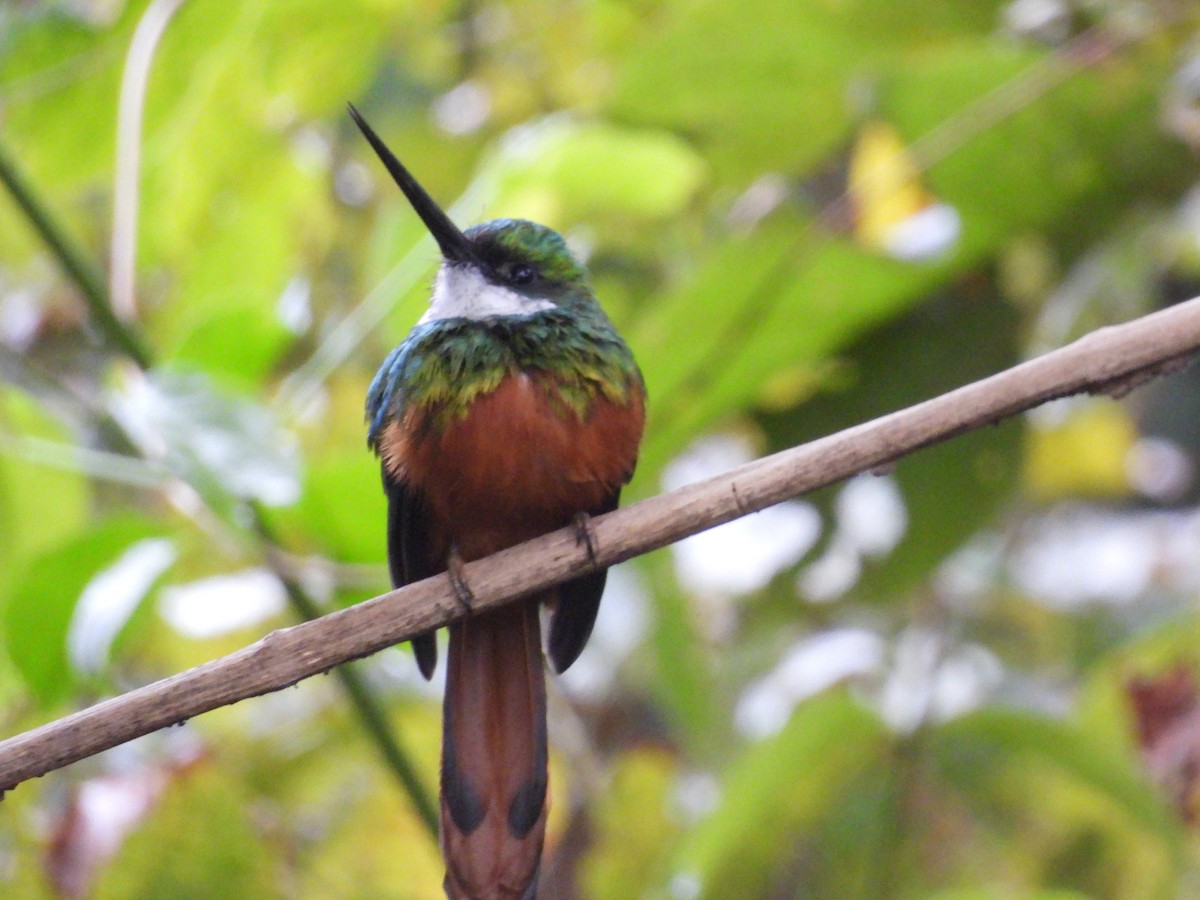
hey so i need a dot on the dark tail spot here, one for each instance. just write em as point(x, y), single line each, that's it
point(466, 807)
point(526, 806)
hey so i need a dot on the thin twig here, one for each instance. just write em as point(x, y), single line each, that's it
point(1107, 361)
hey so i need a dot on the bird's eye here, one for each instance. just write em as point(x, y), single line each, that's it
point(522, 274)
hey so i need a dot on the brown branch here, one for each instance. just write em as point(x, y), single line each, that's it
point(1110, 360)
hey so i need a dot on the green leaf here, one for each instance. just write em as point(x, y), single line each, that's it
point(39, 504)
point(787, 297)
point(239, 344)
point(990, 741)
point(200, 841)
point(632, 824)
point(752, 81)
point(42, 603)
point(684, 681)
point(951, 489)
point(343, 508)
point(59, 78)
point(226, 447)
point(224, 315)
point(776, 790)
point(1079, 142)
point(561, 171)
point(760, 306)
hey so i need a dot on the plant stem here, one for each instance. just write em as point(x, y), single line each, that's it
point(365, 704)
point(86, 278)
point(76, 266)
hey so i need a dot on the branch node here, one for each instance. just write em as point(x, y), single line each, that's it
point(741, 505)
point(456, 569)
point(585, 535)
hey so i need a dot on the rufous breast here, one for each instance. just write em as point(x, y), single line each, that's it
point(519, 460)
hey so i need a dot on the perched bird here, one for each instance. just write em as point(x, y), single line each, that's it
point(513, 408)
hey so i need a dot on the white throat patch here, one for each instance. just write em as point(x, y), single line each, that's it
point(461, 292)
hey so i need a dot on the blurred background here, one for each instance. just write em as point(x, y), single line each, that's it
point(972, 676)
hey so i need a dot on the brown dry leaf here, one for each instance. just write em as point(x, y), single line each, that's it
point(99, 814)
point(1167, 714)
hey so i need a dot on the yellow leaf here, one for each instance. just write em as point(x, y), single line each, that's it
point(1083, 455)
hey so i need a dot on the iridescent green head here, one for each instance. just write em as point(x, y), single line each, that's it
point(502, 268)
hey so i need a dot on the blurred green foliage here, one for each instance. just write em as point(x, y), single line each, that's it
point(697, 152)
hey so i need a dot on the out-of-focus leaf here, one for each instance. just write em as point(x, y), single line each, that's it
point(783, 298)
point(107, 609)
point(238, 342)
point(200, 841)
point(633, 826)
point(307, 67)
point(998, 894)
point(775, 791)
point(992, 752)
point(684, 681)
point(950, 489)
point(39, 505)
point(236, 184)
point(379, 851)
point(26, 844)
point(224, 314)
point(1058, 159)
point(751, 82)
point(224, 447)
point(370, 840)
point(561, 171)
point(1084, 454)
point(1040, 737)
point(759, 307)
point(59, 80)
point(343, 508)
point(42, 603)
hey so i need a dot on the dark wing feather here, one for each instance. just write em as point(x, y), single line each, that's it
point(409, 556)
point(578, 602)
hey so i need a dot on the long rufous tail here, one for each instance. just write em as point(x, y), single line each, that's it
point(494, 756)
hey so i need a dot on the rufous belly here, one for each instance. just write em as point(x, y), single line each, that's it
point(516, 465)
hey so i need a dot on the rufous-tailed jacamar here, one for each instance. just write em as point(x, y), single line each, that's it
point(513, 408)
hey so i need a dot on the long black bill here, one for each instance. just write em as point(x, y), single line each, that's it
point(455, 245)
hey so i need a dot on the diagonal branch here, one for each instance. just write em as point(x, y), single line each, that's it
point(1112, 360)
